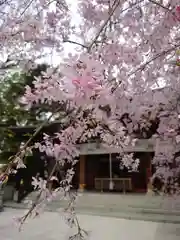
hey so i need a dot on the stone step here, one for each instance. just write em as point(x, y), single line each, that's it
point(145, 215)
point(140, 205)
point(125, 208)
point(156, 203)
point(140, 208)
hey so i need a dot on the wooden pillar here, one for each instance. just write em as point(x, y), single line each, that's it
point(149, 174)
point(82, 173)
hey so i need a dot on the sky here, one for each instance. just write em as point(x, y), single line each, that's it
point(54, 59)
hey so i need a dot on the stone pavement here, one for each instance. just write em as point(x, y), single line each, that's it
point(51, 226)
point(130, 206)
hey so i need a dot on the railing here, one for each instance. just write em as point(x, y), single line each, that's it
point(1, 198)
point(119, 184)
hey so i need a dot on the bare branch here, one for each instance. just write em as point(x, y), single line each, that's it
point(26, 8)
point(76, 43)
point(164, 7)
point(160, 5)
point(3, 2)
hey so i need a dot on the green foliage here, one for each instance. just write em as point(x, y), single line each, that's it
point(12, 113)
point(11, 89)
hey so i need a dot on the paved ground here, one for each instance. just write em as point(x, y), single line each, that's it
point(139, 207)
point(51, 226)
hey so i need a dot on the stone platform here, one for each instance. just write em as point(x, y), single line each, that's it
point(128, 206)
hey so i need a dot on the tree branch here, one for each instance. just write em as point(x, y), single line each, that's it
point(160, 5)
point(3, 2)
point(26, 8)
point(164, 7)
point(24, 218)
point(142, 67)
point(76, 43)
point(38, 129)
point(115, 5)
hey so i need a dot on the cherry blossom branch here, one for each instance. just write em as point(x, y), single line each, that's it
point(24, 218)
point(160, 5)
point(38, 129)
point(164, 7)
point(3, 2)
point(73, 219)
point(116, 5)
point(76, 43)
point(30, 2)
point(12, 159)
point(81, 234)
point(111, 12)
point(27, 6)
point(143, 66)
point(37, 203)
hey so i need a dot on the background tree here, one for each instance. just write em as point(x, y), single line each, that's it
point(13, 113)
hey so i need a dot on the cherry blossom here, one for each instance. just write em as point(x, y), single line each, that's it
point(122, 81)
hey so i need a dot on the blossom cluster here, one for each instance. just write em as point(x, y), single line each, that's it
point(118, 82)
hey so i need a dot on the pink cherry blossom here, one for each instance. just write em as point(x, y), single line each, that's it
point(120, 83)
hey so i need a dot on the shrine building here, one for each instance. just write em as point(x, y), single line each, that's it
point(98, 168)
